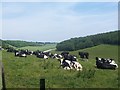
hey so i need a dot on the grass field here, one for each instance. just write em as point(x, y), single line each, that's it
point(0, 70)
point(26, 72)
point(42, 48)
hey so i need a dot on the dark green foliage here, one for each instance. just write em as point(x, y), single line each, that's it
point(66, 46)
point(0, 42)
point(89, 41)
point(17, 43)
point(4, 44)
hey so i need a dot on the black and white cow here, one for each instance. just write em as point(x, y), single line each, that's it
point(28, 52)
point(69, 57)
point(20, 53)
point(105, 63)
point(68, 65)
point(77, 65)
point(41, 55)
point(37, 52)
point(57, 56)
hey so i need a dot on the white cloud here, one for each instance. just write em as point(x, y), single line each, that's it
point(12, 10)
point(60, 0)
point(57, 24)
point(0, 21)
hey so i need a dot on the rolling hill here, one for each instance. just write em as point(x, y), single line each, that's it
point(26, 72)
point(72, 44)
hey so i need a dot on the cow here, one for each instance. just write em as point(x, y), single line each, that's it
point(68, 65)
point(64, 53)
point(28, 52)
point(46, 53)
point(70, 57)
point(84, 55)
point(112, 62)
point(10, 49)
point(20, 53)
point(37, 52)
point(51, 55)
point(103, 63)
point(77, 65)
point(41, 55)
point(57, 56)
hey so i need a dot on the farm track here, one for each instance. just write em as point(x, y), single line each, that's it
point(49, 50)
point(41, 48)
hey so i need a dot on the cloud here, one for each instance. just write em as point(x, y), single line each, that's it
point(56, 23)
point(60, 1)
point(0, 20)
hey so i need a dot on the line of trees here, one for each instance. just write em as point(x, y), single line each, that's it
point(89, 41)
point(18, 43)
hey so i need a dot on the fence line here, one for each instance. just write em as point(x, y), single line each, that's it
point(42, 84)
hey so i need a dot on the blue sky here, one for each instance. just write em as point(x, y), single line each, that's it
point(57, 21)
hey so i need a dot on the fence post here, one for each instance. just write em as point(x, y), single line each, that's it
point(42, 84)
point(3, 79)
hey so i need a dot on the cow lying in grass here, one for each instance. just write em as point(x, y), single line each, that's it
point(105, 63)
point(20, 54)
point(40, 55)
point(68, 65)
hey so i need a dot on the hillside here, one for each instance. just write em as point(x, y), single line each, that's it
point(22, 44)
point(18, 43)
point(0, 42)
point(72, 44)
point(26, 72)
point(41, 48)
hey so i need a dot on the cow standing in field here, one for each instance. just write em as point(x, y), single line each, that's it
point(64, 53)
point(84, 55)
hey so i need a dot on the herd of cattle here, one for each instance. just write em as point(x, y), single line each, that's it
point(66, 60)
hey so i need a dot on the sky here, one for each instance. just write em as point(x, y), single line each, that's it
point(56, 21)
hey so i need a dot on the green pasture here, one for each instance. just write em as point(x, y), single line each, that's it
point(0, 70)
point(42, 48)
point(26, 72)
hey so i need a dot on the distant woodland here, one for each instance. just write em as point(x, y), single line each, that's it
point(72, 44)
point(89, 41)
point(18, 43)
